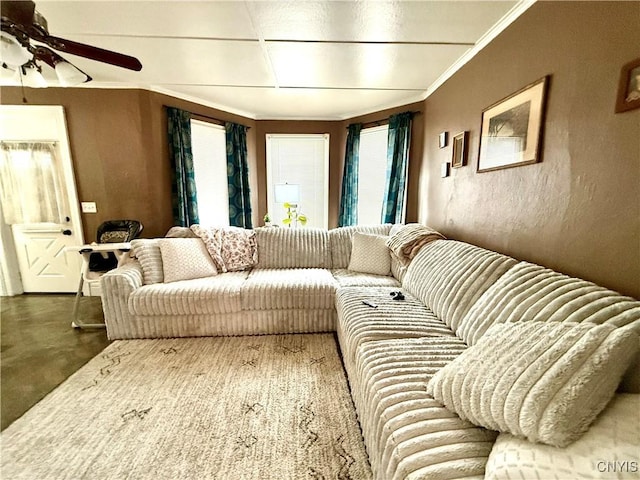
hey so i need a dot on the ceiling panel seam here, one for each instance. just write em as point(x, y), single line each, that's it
point(263, 46)
point(366, 42)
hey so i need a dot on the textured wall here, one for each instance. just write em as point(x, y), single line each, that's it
point(578, 210)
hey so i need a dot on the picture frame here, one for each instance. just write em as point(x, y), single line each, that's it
point(460, 149)
point(442, 139)
point(444, 169)
point(628, 97)
point(511, 129)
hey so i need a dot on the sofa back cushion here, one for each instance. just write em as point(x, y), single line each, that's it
point(530, 292)
point(450, 276)
point(340, 241)
point(293, 248)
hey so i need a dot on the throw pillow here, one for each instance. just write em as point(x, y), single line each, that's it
point(370, 254)
point(185, 259)
point(147, 251)
point(544, 381)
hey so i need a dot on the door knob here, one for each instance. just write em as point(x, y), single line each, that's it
point(66, 232)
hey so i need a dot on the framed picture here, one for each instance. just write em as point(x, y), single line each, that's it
point(629, 87)
point(442, 139)
point(511, 130)
point(460, 142)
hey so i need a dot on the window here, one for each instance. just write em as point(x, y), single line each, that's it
point(208, 146)
point(301, 160)
point(372, 174)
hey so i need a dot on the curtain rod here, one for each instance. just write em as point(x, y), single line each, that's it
point(215, 121)
point(384, 121)
point(198, 116)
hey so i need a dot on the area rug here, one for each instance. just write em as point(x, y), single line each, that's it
point(262, 407)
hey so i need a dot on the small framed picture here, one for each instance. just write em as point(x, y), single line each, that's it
point(442, 139)
point(511, 130)
point(444, 169)
point(460, 148)
point(629, 87)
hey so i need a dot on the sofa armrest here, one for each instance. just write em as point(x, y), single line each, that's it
point(117, 285)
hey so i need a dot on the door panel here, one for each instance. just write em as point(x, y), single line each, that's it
point(44, 264)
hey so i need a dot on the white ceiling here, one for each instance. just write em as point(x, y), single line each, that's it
point(327, 60)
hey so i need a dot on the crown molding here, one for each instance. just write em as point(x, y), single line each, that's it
point(482, 42)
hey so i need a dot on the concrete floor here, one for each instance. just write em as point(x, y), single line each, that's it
point(39, 349)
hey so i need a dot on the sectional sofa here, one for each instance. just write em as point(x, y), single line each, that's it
point(488, 367)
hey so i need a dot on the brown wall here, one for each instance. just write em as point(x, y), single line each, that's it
point(120, 153)
point(415, 152)
point(577, 211)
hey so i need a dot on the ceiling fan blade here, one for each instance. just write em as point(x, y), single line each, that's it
point(94, 53)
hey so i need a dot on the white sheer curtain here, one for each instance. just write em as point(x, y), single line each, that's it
point(31, 188)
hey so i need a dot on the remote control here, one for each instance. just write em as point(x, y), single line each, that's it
point(368, 303)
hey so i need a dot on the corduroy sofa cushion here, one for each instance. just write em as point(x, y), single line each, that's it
point(281, 289)
point(408, 434)
point(348, 278)
point(449, 276)
point(292, 248)
point(529, 292)
point(391, 319)
point(210, 295)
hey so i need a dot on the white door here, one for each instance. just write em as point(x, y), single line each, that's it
point(39, 197)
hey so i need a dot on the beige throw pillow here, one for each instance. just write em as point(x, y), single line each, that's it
point(544, 381)
point(370, 254)
point(185, 259)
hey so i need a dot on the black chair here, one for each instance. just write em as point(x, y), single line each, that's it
point(113, 231)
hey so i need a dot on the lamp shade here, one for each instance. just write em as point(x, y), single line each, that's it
point(286, 193)
point(11, 52)
point(31, 77)
point(68, 75)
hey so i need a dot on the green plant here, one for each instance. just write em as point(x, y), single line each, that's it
point(293, 216)
point(267, 218)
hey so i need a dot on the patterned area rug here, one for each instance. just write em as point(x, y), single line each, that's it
point(263, 407)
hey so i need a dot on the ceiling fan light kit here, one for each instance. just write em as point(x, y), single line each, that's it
point(13, 53)
point(21, 24)
point(31, 76)
point(69, 75)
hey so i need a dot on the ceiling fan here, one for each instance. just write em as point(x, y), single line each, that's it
point(22, 24)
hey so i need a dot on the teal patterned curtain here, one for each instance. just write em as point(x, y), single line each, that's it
point(238, 176)
point(349, 196)
point(185, 203)
point(399, 138)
